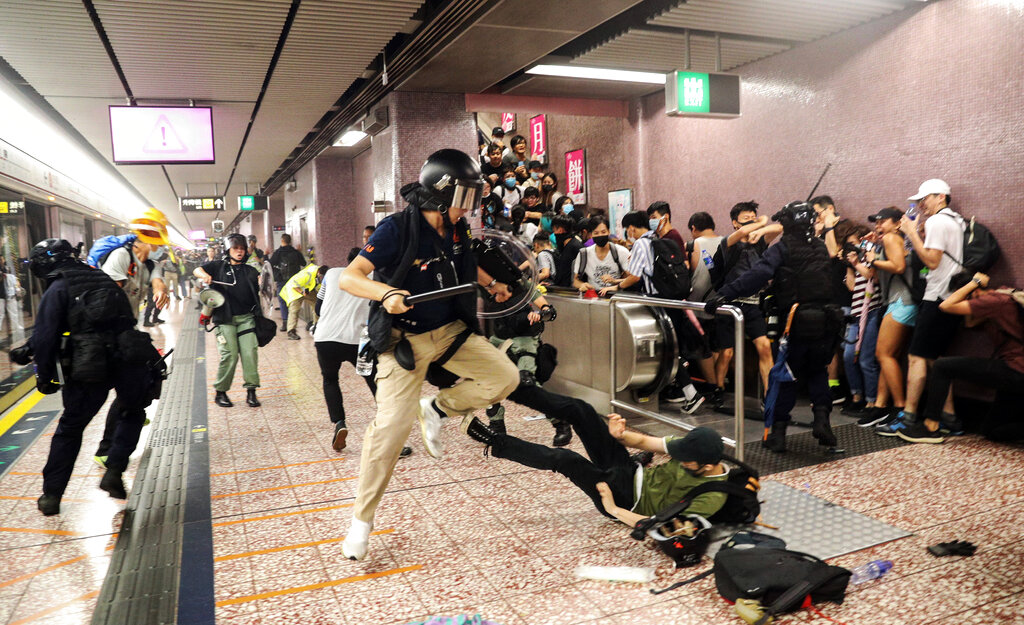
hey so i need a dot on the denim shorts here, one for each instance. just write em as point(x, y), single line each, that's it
point(905, 314)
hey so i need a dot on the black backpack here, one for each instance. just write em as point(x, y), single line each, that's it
point(669, 275)
point(981, 250)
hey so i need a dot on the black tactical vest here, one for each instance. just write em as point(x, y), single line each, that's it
point(95, 303)
point(805, 276)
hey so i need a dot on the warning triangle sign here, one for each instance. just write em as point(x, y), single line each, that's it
point(163, 139)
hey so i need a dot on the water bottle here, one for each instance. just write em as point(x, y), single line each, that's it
point(871, 570)
point(912, 211)
point(364, 366)
point(708, 261)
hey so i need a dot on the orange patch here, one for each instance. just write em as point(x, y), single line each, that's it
point(368, 248)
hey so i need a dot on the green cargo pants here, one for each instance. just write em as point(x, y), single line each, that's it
point(237, 338)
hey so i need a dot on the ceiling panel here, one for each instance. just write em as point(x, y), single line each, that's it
point(664, 52)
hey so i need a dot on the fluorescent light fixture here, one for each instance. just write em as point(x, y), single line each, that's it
point(350, 138)
point(597, 73)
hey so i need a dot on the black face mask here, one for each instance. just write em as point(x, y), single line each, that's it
point(547, 187)
point(693, 472)
point(561, 239)
point(601, 241)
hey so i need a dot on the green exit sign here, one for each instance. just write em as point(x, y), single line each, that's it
point(702, 94)
point(252, 202)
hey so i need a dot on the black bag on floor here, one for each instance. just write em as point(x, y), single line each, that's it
point(779, 579)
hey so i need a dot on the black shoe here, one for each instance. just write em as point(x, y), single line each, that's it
point(498, 425)
point(855, 408)
point(563, 433)
point(821, 430)
point(148, 324)
point(642, 458)
point(776, 441)
point(221, 399)
point(113, 484)
point(158, 320)
point(405, 453)
point(673, 394)
point(527, 379)
point(284, 327)
point(250, 398)
point(476, 430)
point(293, 335)
point(873, 416)
point(717, 397)
point(49, 505)
point(838, 396)
point(340, 434)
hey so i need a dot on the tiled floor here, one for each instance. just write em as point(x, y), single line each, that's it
point(475, 534)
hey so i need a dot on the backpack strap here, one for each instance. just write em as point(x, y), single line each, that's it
point(695, 578)
point(615, 257)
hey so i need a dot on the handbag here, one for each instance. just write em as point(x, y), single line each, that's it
point(266, 329)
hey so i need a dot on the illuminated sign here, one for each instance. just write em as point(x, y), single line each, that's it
point(11, 208)
point(253, 202)
point(539, 138)
point(508, 122)
point(212, 203)
point(196, 235)
point(576, 176)
point(147, 135)
point(702, 94)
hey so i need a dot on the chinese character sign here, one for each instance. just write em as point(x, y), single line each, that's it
point(576, 176)
point(508, 122)
point(539, 138)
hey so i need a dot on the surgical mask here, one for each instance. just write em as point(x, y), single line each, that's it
point(547, 187)
point(652, 224)
point(567, 208)
point(601, 241)
point(157, 254)
point(534, 175)
point(510, 183)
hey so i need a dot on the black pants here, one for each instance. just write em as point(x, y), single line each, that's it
point(984, 371)
point(81, 403)
point(609, 459)
point(330, 355)
point(682, 326)
point(808, 360)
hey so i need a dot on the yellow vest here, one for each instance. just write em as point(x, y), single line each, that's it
point(305, 280)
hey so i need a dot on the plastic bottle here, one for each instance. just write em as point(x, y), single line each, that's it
point(708, 261)
point(871, 570)
point(364, 366)
point(912, 211)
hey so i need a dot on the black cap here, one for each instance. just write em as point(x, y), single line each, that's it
point(702, 445)
point(887, 213)
point(497, 132)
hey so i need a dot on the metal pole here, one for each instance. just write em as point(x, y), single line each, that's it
point(739, 332)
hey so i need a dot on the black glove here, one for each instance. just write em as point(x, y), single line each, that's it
point(22, 355)
point(547, 313)
point(955, 548)
point(47, 387)
point(712, 306)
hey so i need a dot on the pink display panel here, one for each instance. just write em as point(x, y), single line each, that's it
point(576, 176)
point(155, 135)
point(539, 138)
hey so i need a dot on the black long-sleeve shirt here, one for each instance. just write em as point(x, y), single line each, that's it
point(51, 324)
point(758, 276)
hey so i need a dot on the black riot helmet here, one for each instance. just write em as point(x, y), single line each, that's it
point(236, 240)
point(48, 255)
point(451, 178)
point(685, 543)
point(796, 218)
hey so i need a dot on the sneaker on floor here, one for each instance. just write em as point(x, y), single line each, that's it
point(340, 434)
point(873, 416)
point(357, 541)
point(891, 425)
point(100, 460)
point(293, 335)
point(49, 505)
point(405, 453)
point(673, 394)
point(430, 426)
point(917, 432)
point(952, 428)
point(855, 408)
point(718, 397)
point(838, 396)
point(690, 406)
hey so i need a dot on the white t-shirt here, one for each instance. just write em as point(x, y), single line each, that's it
point(595, 268)
point(943, 231)
point(118, 267)
point(546, 259)
point(526, 236)
point(342, 315)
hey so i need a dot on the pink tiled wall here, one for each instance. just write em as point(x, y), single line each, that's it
point(933, 91)
point(335, 209)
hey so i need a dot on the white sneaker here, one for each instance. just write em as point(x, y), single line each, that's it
point(358, 539)
point(430, 427)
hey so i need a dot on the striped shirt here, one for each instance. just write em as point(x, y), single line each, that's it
point(860, 284)
point(641, 261)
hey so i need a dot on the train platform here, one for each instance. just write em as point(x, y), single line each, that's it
point(236, 516)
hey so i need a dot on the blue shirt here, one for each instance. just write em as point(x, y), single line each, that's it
point(434, 268)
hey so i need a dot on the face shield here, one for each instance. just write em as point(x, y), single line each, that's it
point(467, 195)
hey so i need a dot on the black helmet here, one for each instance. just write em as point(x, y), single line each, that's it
point(452, 178)
point(686, 548)
point(236, 239)
point(797, 217)
point(49, 254)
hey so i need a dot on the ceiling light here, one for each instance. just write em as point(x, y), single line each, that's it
point(597, 73)
point(350, 138)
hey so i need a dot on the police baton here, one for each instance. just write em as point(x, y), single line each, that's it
point(452, 291)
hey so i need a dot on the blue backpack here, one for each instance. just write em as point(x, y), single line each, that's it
point(102, 248)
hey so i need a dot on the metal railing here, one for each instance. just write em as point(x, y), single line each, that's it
point(738, 333)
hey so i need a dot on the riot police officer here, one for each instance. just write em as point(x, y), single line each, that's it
point(424, 248)
point(84, 344)
point(798, 265)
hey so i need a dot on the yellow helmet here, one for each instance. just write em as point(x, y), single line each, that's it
point(151, 227)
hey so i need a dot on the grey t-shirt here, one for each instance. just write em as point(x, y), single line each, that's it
point(119, 267)
point(546, 260)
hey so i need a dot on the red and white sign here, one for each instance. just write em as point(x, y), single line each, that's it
point(539, 138)
point(508, 122)
point(576, 176)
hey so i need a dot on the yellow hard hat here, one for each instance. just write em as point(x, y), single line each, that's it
point(151, 227)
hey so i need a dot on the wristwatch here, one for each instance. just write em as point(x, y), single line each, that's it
point(493, 282)
point(976, 281)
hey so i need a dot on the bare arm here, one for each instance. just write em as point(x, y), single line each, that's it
point(355, 280)
point(930, 257)
point(635, 440)
point(745, 231)
point(957, 304)
point(628, 517)
point(896, 262)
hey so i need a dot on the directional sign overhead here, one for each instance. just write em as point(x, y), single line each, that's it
point(12, 208)
point(253, 202)
point(208, 203)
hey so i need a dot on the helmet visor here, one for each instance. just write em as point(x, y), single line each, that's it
point(467, 195)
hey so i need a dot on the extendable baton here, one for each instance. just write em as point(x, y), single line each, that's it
point(452, 291)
